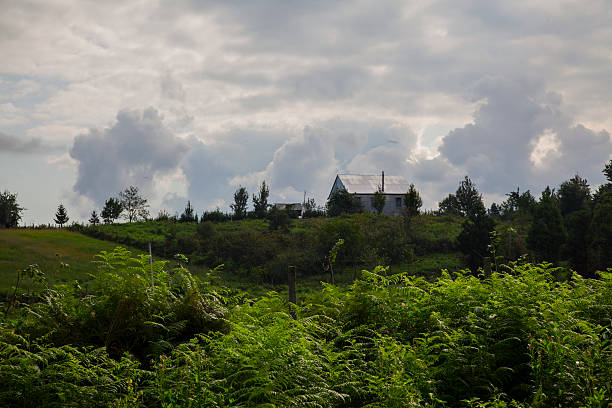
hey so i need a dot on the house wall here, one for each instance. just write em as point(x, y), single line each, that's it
point(391, 207)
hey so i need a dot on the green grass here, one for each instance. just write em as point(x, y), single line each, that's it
point(431, 265)
point(49, 249)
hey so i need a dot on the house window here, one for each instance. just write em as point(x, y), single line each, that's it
point(398, 202)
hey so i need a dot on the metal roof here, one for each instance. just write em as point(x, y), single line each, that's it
point(369, 184)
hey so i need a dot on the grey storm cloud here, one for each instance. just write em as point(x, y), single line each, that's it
point(131, 152)
point(211, 166)
point(497, 147)
point(12, 144)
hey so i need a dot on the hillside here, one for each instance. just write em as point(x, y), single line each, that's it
point(252, 249)
point(63, 255)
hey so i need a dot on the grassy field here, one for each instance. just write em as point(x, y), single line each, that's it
point(49, 249)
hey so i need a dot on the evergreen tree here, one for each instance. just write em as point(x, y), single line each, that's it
point(188, 214)
point(111, 211)
point(468, 197)
point(574, 195)
point(575, 205)
point(607, 171)
point(260, 202)
point(241, 196)
point(475, 235)
point(449, 206)
point(343, 202)
point(134, 206)
point(94, 219)
point(61, 216)
point(601, 224)
point(412, 202)
point(547, 233)
point(578, 227)
point(518, 202)
point(379, 201)
point(601, 232)
point(10, 211)
point(494, 211)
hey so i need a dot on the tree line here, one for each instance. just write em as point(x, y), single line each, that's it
point(571, 224)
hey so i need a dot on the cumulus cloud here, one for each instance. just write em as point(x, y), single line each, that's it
point(136, 150)
point(309, 160)
point(522, 136)
point(377, 85)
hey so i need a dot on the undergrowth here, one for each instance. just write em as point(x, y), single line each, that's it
point(154, 336)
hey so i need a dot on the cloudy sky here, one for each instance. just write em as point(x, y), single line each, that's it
point(190, 99)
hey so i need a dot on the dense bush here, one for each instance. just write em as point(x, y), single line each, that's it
point(136, 307)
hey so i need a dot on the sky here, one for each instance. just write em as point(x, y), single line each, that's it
point(191, 99)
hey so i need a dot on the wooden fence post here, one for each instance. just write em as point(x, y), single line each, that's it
point(292, 290)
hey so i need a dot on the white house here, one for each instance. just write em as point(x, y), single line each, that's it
point(364, 187)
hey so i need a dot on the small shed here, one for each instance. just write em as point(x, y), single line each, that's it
point(364, 186)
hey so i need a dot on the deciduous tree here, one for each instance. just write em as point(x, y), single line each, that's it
point(134, 206)
point(10, 211)
point(343, 202)
point(379, 201)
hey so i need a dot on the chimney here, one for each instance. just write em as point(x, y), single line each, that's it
point(383, 181)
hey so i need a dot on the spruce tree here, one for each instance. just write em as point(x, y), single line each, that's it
point(61, 216)
point(188, 214)
point(94, 219)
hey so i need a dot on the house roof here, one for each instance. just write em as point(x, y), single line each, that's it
point(369, 184)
